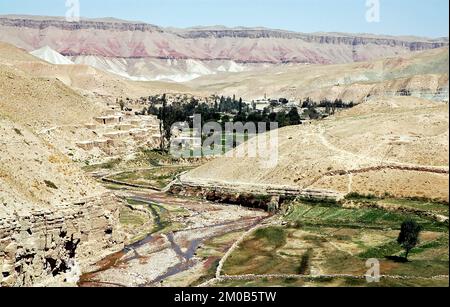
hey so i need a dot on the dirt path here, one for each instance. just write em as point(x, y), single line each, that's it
point(364, 159)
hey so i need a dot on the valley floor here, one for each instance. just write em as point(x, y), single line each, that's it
point(184, 241)
point(176, 252)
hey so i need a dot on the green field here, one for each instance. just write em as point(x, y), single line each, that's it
point(425, 205)
point(429, 205)
point(323, 239)
point(332, 282)
point(329, 215)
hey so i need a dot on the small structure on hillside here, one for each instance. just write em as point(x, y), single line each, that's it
point(109, 120)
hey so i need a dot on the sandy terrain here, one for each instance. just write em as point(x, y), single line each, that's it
point(397, 146)
point(424, 74)
point(86, 80)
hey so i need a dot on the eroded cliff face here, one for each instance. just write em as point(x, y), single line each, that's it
point(333, 39)
point(48, 246)
point(54, 220)
point(71, 26)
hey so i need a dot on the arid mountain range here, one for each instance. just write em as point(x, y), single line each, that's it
point(420, 74)
point(55, 219)
point(141, 51)
point(396, 146)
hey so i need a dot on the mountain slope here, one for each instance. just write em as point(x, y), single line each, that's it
point(397, 146)
point(54, 219)
point(49, 55)
point(84, 79)
point(423, 74)
point(38, 102)
point(128, 42)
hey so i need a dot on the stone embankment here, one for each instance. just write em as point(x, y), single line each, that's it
point(268, 197)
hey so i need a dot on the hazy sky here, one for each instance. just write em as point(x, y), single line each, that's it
point(398, 17)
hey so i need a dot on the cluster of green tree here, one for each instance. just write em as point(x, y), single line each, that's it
point(282, 117)
point(404, 92)
point(224, 110)
point(331, 106)
point(230, 105)
point(230, 109)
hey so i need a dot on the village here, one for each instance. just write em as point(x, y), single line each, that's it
point(132, 123)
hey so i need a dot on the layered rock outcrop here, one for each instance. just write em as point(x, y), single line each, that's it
point(325, 38)
point(54, 220)
point(48, 246)
point(123, 39)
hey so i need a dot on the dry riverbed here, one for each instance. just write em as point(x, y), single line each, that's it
point(187, 239)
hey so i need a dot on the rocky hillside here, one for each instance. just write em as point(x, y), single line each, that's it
point(54, 220)
point(121, 45)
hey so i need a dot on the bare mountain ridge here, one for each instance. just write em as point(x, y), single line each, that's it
point(59, 22)
point(126, 39)
point(413, 44)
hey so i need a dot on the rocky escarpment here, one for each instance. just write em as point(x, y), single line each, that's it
point(131, 40)
point(332, 39)
point(263, 196)
point(53, 245)
point(54, 220)
point(60, 23)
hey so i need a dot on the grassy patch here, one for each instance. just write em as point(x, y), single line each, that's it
point(131, 217)
point(260, 254)
point(162, 217)
point(274, 236)
point(209, 274)
point(422, 268)
point(334, 282)
point(426, 260)
point(307, 214)
point(379, 252)
point(357, 196)
point(317, 247)
point(154, 157)
point(158, 177)
point(417, 204)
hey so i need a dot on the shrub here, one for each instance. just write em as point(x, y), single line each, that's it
point(50, 184)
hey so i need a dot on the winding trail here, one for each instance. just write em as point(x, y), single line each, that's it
point(384, 162)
